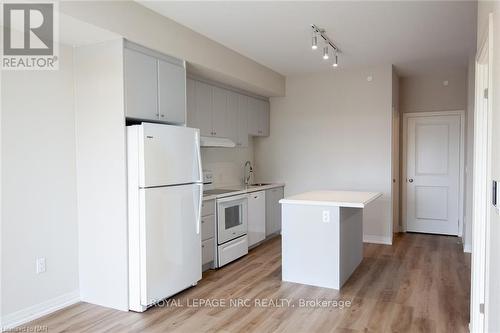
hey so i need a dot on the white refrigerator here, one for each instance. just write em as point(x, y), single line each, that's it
point(165, 186)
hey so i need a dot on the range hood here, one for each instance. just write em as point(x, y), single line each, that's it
point(208, 141)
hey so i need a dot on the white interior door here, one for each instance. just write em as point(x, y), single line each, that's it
point(432, 174)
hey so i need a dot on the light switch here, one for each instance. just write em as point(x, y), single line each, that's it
point(40, 265)
point(326, 216)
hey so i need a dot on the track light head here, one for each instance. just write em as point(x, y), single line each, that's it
point(336, 62)
point(325, 53)
point(314, 42)
point(314, 45)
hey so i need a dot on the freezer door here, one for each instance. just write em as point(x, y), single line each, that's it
point(170, 242)
point(171, 155)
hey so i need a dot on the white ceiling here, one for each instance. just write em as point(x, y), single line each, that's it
point(416, 37)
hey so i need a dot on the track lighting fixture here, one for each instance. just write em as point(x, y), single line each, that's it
point(328, 43)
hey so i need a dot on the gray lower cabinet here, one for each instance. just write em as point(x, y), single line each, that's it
point(207, 233)
point(273, 210)
point(207, 252)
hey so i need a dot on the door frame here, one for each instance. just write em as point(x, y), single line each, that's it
point(479, 305)
point(395, 170)
point(461, 172)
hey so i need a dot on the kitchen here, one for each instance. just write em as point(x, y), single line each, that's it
point(173, 120)
point(176, 207)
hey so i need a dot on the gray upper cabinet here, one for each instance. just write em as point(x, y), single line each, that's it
point(210, 111)
point(171, 92)
point(232, 117)
point(265, 118)
point(191, 102)
point(253, 116)
point(141, 85)
point(155, 85)
point(242, 120)
point(221, 124)
point(223, 113)
point(258, 117)
point(202, 118)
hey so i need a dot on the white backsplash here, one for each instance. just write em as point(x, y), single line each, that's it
point(227, 164)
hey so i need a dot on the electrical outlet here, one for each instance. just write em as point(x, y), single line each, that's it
point(40, 265)
point(326, 216)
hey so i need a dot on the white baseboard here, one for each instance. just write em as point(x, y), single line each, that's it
point(377, 239)
point(36, 311)
point(467, 248)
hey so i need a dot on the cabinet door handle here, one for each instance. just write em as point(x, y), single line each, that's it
point(162, 115)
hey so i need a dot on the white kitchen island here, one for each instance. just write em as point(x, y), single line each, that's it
point(322, 236)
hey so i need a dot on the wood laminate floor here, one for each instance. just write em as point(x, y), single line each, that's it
point(420, 284)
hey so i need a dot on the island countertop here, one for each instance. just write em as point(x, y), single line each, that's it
point(351, 199)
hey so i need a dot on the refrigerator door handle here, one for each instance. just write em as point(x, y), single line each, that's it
point(198, 153)
point(200, 201)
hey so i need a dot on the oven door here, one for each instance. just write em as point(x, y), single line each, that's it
point(231, 218)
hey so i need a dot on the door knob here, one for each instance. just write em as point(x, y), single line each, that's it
point(410, 180)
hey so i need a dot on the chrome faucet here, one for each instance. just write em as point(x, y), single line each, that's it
point(248, 174)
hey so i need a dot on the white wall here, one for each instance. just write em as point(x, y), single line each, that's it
point(333, 131)
point(205, 56)
point(101, 174)
point(227, 164)
point(38, 189)
point(427, 92)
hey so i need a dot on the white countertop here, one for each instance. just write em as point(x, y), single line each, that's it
point(242, 190)
point(333, 198)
